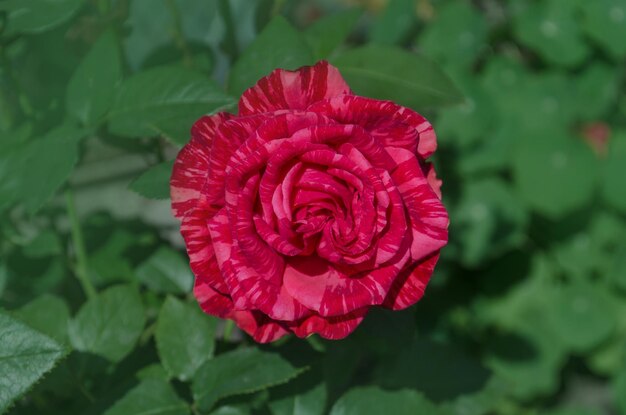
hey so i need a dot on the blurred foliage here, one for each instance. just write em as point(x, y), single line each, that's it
point(526, 313)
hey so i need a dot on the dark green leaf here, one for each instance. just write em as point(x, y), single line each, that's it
point(91, 89)
point(167, 272)
point(154, 183)
point(164, 101)
point(550, 28)
point(489, 221)
point(605, 22)
point(238, 372)
point(33, 172)
point(389, 73)
point(456, 36)
point(150, 397)
point(395, 24)
point(46, 243)
point(184, 337)
point(619, 390)
point(328, 32)
point(47, 314)
point(375, 401)
point(615, 171)
point(310, 402)
point(555, 173)
point(34, 16)
point(582, 316)
point(279, 45)
point(25, 356)
point(110, 324)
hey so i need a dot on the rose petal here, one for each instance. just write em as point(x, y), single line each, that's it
point(332, 328)
point(393, 125)
point(284, 89)
point(409, 286)
point(192, 164)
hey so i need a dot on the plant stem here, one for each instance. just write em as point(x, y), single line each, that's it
point(80, 270)
point(228, 330)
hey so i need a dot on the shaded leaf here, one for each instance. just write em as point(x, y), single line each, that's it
point(279, 45)
point(25, 356)
point(328, 32)
point(109, 324)
point(238, 372)
point(35, 16)
point(154, 183)
point(166, 271)
point(164, 101)
point(383, 72)
point(150, 397)
point(47, 314)
point(184, 337)
point(375, 401)
point(32, 172)
point(91, 89)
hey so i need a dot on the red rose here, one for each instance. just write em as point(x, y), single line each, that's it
point(309, 207)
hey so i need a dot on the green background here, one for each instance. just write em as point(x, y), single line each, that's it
point(526, 312)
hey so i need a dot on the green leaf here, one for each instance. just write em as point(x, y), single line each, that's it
point(279, 45)
point(395, 23)
point(489, 221)
point(91, 89)
point(184, 337)
point(239, 372)
point(155, 23)
point(599, 84)
point(164, 101)
point(551, 29)
point(4, 278)
point(615, 171)
point(154, 183)
point(35, 16)
point(46, 243)
point(555, 173)
point(309, 402)
point(328, 32)
point(582, 316)
point(150, 397)
point(456, 36)
point(166, 271)
point(32, 173)
point(25, 356)
point(375, 401)
point(384, 72)
point(619, 390)
point(605, 22)
point(109, 324)
point(47, 314)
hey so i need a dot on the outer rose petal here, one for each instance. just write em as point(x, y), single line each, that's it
point(284, 89)
point(259, 326)
point(393, 125)
point(434, 182)
point(190, 169)
point(332, 328)
point(409, 286)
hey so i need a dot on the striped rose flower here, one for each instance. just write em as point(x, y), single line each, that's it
point(309, 206)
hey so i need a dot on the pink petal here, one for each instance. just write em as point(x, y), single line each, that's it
point(332, 328)
point(192, 164)
point(391, 124)
point(409, 286)
point(284, 89)
point(428, 217)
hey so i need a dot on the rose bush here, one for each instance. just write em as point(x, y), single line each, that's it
point(308, 207)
